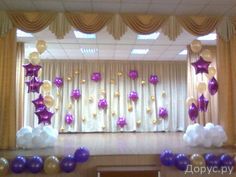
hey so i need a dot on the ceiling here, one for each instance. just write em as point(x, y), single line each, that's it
point(108, 48)
point(176, 7)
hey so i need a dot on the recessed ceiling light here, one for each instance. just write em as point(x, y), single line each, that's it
point(183, 52)
point(88, 51)
point(139, 51)
point(20, 33)
point(152, 36)
point(209, 37)
point(81, 35)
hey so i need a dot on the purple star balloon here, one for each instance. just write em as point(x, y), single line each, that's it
point(102, 104)
point(153, 79)
point(193, 112)
point(69, 118)
point(201, 65)
point(44, 116)
point(96, 76)
point(133, 74)
point(34, 85)
point(121, 122)
point(75, 94)
point(133, 95)
point(58, 81)
point(202, 103)
point(31, 70)
point(213, 86)
point(163, 113)
point(38, 102)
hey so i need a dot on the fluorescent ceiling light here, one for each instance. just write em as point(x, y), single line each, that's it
point(88, 51)
point(183, 52)
point(139, 51)
point(152, 36)
point(81, 35)
point(20, 33)
point(209, 37)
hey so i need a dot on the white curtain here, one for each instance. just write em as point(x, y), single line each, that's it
point(170, 93)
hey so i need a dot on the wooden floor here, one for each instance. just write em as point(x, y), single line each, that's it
point(118, 144)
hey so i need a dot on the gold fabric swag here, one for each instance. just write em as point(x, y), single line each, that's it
point(60, 23)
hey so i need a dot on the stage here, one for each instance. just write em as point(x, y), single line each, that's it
point(124, 150)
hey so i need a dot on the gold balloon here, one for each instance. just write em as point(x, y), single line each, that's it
point(69, 106)
point(34, 58)
point(40, 72)
point(83, 119)
point(4, 166)
point(62, 129)
point(51, 165)
point(94, 114)
point(197, 160)
point(103, 92)
point(130, 108)
point(83, 81)
point(163, 94)
point(76, 72)
point(138, 122)
point(113, 113)
point(47, 86)
point(48, 101)
point(119, 73)
point(201, 87)
point(112, 81)
point(206, 55)
point(211, 71)
point(41, 46)
point(196, 46)
point(117, 93)
point(148, 110)
point(69, 78)
point(153, 98)
point(154, 121)
point(191, 100)
point(143, 82)
point(103, 127)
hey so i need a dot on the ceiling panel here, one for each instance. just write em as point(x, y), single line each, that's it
point(216, 9)
point(134, 7)
point(20, 5)
point(193, 9)
point(48, 5)
point(85, 6)
point(106, 7)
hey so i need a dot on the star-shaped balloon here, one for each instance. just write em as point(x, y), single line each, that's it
point(34, 84)
point(202, 103)
point(31, 70)
point(44, 116)
point(201, 65)
point(38, 102)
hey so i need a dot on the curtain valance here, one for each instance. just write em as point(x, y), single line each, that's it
point(60, 23)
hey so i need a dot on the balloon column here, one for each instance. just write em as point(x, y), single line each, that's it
point(43, 135)
point(50, 165)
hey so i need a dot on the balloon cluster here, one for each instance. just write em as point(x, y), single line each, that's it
point(75, 94)
point(163, 113)
point(133, 95)
point(38, 137)
point(96, 76)
point(121, 122)
point(133, 74)
point(181, 161)
point(102, 103)
point(208, 136)
point(50, 165)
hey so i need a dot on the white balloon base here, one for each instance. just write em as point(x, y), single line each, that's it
point(42, 136)
point(209, 136)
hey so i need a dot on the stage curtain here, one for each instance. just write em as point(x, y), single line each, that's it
point(198, 25)
point(5, 24)
point(212, 112)
point(169, 93)
point(31, 22)
point(143, 24)
point(88, 22)
point(8, 90)
point(20, 55)
point(226, 63)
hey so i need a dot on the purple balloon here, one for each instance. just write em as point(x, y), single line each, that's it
point(226, 161)
point(153, 79)
point(163, 113)
point(69, 119)
point(102, 104)
point(181, 162)
point(213, 86)
point(34, 85)
point(75, 94)
point(133, 95)
point(133, 74)
point(58, 81)
point(121, 122)
point(38, 102)
point(193, 112)
point(18, 164)
point(167, 158)
point(31, 70)
point(201, 65)
point(68, 164)
point(212, 160)
point(202, 103)
point(35, 164)
point(44, 116)
point(81, 155)
point(96, 76)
